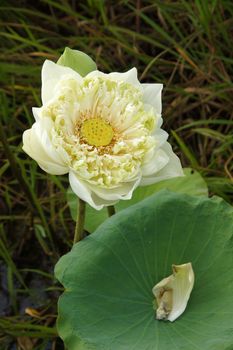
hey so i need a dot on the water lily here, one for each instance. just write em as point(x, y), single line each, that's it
point(173, 292)
point(102, 129)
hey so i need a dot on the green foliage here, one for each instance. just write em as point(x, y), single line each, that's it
point(192, 183)
point(77, 60)
point(109, 276)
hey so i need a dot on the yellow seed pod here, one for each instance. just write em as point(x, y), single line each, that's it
point(97, 132)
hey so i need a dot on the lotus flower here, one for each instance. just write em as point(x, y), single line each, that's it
point(102, 129)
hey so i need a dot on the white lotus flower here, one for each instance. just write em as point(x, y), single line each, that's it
point(173, 292)
point(104, 130)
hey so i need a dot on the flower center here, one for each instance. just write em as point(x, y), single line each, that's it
point(97, 132)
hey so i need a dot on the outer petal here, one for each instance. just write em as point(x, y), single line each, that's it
point(131, 76)
point(82, 190)
point(122, 192)
point(158, 162)
point(160, 136)
point(36, 113)
point(37, 145)
point(51, 74)
point(152, 95)
point(173, 168)
point(98, 197)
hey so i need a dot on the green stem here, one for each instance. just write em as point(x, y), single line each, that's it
point(79, 228)
point(111, 210)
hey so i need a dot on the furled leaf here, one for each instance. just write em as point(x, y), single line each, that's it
point(192, 183)
point(109, 276)
point(77, 60)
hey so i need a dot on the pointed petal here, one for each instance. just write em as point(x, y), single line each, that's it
point(173, 168)
point(131, 76)
point(36, 113)
point(152, 94)
point(51, 74)
point(37, 145)
point(182, 288)
point(122, 192)
point(158, 162)
point(99, 197)
point(82, 190)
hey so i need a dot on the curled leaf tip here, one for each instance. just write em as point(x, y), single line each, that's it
point(173, 292)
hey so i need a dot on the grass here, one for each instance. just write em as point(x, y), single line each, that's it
point(183, 44)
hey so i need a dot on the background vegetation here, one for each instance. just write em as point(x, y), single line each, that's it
point(187, 45)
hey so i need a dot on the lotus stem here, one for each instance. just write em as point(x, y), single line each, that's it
point(79, 227)
point(111, 210)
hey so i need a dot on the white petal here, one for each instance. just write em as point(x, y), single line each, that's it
point(160, 136)
point(51, 74)
point(152, 95)
point(156, 158)
point(172, 169)
point(158, 161)
point(182, 288)
point(98, 197)
point(173, 292)
point(122, 192)
point(37, 145)
point(36, 112)
point(131, 76)
point(83, 191)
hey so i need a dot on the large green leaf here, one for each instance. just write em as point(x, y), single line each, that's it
point(77, 60)
point(108, 277)
point(192, 183)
